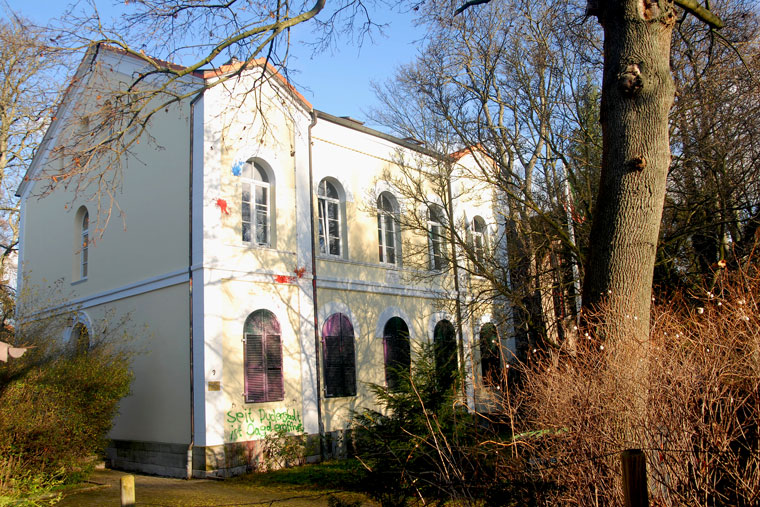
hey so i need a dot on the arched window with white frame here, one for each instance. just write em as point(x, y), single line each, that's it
point(330, 219)
point(387, 229)
point(437, 237)
point(81, 244)
point(479, 239)
point(256, 204)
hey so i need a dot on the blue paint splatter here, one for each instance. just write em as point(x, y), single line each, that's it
point(237, 168)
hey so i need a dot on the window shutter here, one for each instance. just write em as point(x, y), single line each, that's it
point(349, 366)
point(275, 389)
point(255, 375)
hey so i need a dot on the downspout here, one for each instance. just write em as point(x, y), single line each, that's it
point(190, 283)
point(455, 265)
point(314, 294)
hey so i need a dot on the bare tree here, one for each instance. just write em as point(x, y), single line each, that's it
point(27, 89)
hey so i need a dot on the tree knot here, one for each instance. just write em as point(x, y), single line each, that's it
point(629, 80)
point(637, 163)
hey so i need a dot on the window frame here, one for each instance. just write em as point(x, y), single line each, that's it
point(387, 228)
point(264, 339)
point(436, 237)
point(84, 255)
point(324, 203)
point(479, 240)
point(490, 360)
point(339, 357)
point(445, 353)
point(255, 176)
point(396, 334)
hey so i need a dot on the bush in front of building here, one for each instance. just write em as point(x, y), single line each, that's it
point(424, 443)
point(57, 404)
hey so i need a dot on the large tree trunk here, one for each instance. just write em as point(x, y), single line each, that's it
point(637, 95)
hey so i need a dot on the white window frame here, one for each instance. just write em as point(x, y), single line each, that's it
point(479, 239)
point(324, 203)
point(436, 238)
point(387, 228)
point(253, 183)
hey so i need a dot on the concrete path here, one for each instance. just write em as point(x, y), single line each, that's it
point(103, 490)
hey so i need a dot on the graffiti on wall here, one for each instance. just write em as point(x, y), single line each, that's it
point(250, 423)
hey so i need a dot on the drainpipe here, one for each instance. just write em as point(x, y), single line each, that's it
point(190, 283)
point(314, 294)
point(462, 369)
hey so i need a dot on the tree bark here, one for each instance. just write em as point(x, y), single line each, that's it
point(637, 94)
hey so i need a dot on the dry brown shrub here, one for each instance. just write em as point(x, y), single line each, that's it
point(694, 410)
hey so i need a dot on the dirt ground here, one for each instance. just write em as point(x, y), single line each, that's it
point(103, 490)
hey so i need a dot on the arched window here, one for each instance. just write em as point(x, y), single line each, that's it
point(81, 244)
point(338, 356)
point(387, 228)
point(489, 354)
point(263, 358)
point(479, 239)
point(330, 219)
point(80, 338)
point(85, 254)
point(445, 352)
point(397, 354)
point(437, 237)
point(256, 205)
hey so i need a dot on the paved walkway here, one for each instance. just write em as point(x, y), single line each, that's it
point(103, 490)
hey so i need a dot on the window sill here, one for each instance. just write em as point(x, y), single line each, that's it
point(81, 280)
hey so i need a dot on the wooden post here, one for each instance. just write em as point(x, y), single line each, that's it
point(128, 491)
point(635, 492)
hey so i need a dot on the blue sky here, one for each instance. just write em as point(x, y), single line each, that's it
point(336, 81)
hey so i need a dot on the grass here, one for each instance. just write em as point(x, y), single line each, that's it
point(345, 475)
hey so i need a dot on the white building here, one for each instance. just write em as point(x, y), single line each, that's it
point(271, 292)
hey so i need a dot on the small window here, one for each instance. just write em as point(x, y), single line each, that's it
point(338, 354)
point(445, 352)
point(489, 355)
point(437, 237)
point(330, 219)
point(387, 228)
point(255, 206)
point(262, 349)
point(397, 353)
point(479, 239)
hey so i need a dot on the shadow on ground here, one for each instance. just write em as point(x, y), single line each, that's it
point(103, 490)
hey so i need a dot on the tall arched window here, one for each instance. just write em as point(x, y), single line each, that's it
point(437, 237)
point(82, 242)
point(397, 353)
point(262, 348)
point(479, 239)
point(338, 356)
point(85, 253)
point(445, 351)
point(387, 228)
point(256, 205)
point(330, 219)
point(489, 354)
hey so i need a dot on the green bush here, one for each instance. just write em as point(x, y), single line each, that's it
point(56, 407)
point(425, 444)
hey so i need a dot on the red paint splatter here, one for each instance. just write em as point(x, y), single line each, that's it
point(222, 205)
point(284, 279)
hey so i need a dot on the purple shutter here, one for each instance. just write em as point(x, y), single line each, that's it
point(255, 375)
point(338, 356)
point(275, 387)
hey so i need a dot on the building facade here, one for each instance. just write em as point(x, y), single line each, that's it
point(260, 262)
